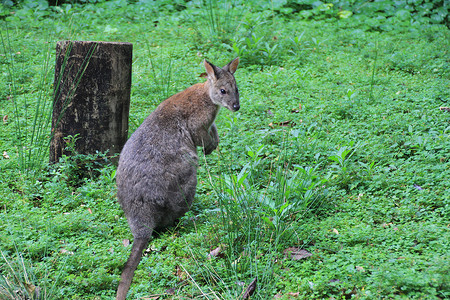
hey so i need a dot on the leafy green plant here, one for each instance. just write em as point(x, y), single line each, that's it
point(348, 108)
point(75, 167)
point(291, 196)
point(255, 49)
point(320, 11)
point(341, 158)
point(258, 214)
point(270, 53)
point(251, 44)
point(297, 44)
point(248, 46)
point(420, 10)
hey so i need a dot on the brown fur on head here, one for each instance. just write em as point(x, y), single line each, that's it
point(222, 85)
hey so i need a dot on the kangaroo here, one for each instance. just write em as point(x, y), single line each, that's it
point(157, 173)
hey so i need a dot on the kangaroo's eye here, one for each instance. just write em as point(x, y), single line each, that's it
point(222, 91)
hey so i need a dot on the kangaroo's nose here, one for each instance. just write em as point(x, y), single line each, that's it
point(236, 106)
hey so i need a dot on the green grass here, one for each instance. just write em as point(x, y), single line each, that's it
point(339, 148)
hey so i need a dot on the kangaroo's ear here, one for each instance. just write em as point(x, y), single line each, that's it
point(232, 66)
point(211, 70)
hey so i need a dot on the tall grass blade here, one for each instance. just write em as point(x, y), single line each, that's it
point(221, 19)
point(20, 280)
point(32, 128)
point(372, 80)
point(6, 45)
point(33, 143)
point(161, 71)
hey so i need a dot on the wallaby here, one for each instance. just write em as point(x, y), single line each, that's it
point(157, 172)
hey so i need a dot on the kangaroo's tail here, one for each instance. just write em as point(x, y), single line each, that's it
point(139, 244)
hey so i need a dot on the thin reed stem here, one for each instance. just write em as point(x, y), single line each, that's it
point(372, 81)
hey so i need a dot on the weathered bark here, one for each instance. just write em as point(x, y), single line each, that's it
point(92, 96)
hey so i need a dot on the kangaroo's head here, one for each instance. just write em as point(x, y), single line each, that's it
point(222, 85)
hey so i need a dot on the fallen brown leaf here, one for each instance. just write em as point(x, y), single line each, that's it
point(348, 294)
point(335, 231)
point(444, 108)
point(251, 289)
point(64, 251)
point(296, 253)
point(180, 273)
point(147, 251)
point(5, 119)
point(361, 269)
point(5, 155)
point(290, 295)
point(384, 225)
point(214, 252)
point(126, 242)
point(286, 123)
point(283, 124)
point(31, 288)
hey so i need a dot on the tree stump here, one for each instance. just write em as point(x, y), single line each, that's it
point(91, 96)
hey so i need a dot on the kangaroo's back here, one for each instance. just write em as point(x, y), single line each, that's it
point(157, 172)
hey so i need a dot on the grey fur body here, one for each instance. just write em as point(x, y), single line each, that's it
point(157, 172)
